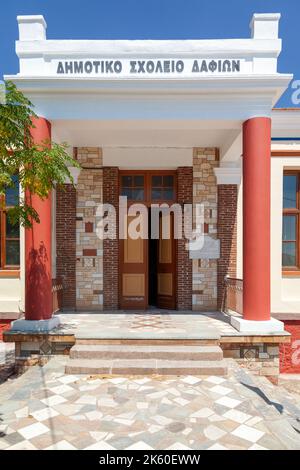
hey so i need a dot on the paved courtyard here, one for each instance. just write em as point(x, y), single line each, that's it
point(46, 409)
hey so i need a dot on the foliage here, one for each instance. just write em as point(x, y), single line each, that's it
point(40, 167)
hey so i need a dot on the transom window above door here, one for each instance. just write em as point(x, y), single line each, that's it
point(162, 188)
point(148, 186)
point(133, 187)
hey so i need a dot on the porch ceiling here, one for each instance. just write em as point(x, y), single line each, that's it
point(180, 134)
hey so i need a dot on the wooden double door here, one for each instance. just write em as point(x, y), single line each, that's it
point(148, 255)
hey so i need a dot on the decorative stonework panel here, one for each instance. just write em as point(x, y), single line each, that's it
point(210, 249)
point(205, 191)
point(261, 358)
point(89, 157)
point(89, 249)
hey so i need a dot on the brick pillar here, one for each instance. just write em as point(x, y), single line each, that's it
point(184, 263)
point(111, 247)
point(66, 243)
point(227, 234)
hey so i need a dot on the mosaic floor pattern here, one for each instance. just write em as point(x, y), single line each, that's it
point(152, 323)
point(46, 409)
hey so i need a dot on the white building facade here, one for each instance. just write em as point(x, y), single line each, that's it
point(167, 121)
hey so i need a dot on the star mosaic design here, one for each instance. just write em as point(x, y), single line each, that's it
point(148, 321)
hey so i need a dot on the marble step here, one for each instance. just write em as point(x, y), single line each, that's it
point(138, 341)
point(165, 352)
point(145, 367)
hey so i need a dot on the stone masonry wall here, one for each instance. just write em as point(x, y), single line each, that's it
point(89, 248)
point(205, 191)
point(262, 358)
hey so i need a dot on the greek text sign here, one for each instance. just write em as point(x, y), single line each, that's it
point(145, 68)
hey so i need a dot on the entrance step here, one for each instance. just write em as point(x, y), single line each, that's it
point(146, 359)
point(171, 353)
point(145, 367)
point(203, 341)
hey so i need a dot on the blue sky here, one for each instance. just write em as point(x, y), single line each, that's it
point(152, 19)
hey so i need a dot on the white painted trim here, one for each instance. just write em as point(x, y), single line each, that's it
point(286, 123)
point(95, 48)
point(40, 326)
point(239, 230)
point(53, 233)
point(21, 306)
point(265, 25)
point(251, 92)
point(259, 327)
point(215, 98)
point(228, 175)
point(284, 290)
point(75, 172)
point(32, 28)
point(234, 84)
point(286, 146)
point(31, 19)
point(147, 158)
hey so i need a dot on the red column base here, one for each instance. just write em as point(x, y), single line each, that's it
point(267, 327)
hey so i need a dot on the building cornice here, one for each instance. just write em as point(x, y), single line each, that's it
point(248, 83)
point(143, 48)
point(214, 98)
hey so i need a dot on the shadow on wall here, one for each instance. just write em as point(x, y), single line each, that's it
point(38, 284)
point(290, 352)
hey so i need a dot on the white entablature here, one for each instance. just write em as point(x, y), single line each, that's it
point(198, 79)
point(148, 58)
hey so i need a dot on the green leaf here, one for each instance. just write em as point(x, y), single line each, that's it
point(40, 167)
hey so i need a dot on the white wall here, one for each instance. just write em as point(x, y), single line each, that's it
point(12, 290)
point(147, 157)
point(285, 290)
point(239, 261)
point(10, 294)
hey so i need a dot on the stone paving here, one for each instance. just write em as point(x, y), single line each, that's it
point(147, 324)
point(7, 361)
point(46, 409)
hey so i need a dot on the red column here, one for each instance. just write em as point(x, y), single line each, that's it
point(38, 272)
point(256, 218)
